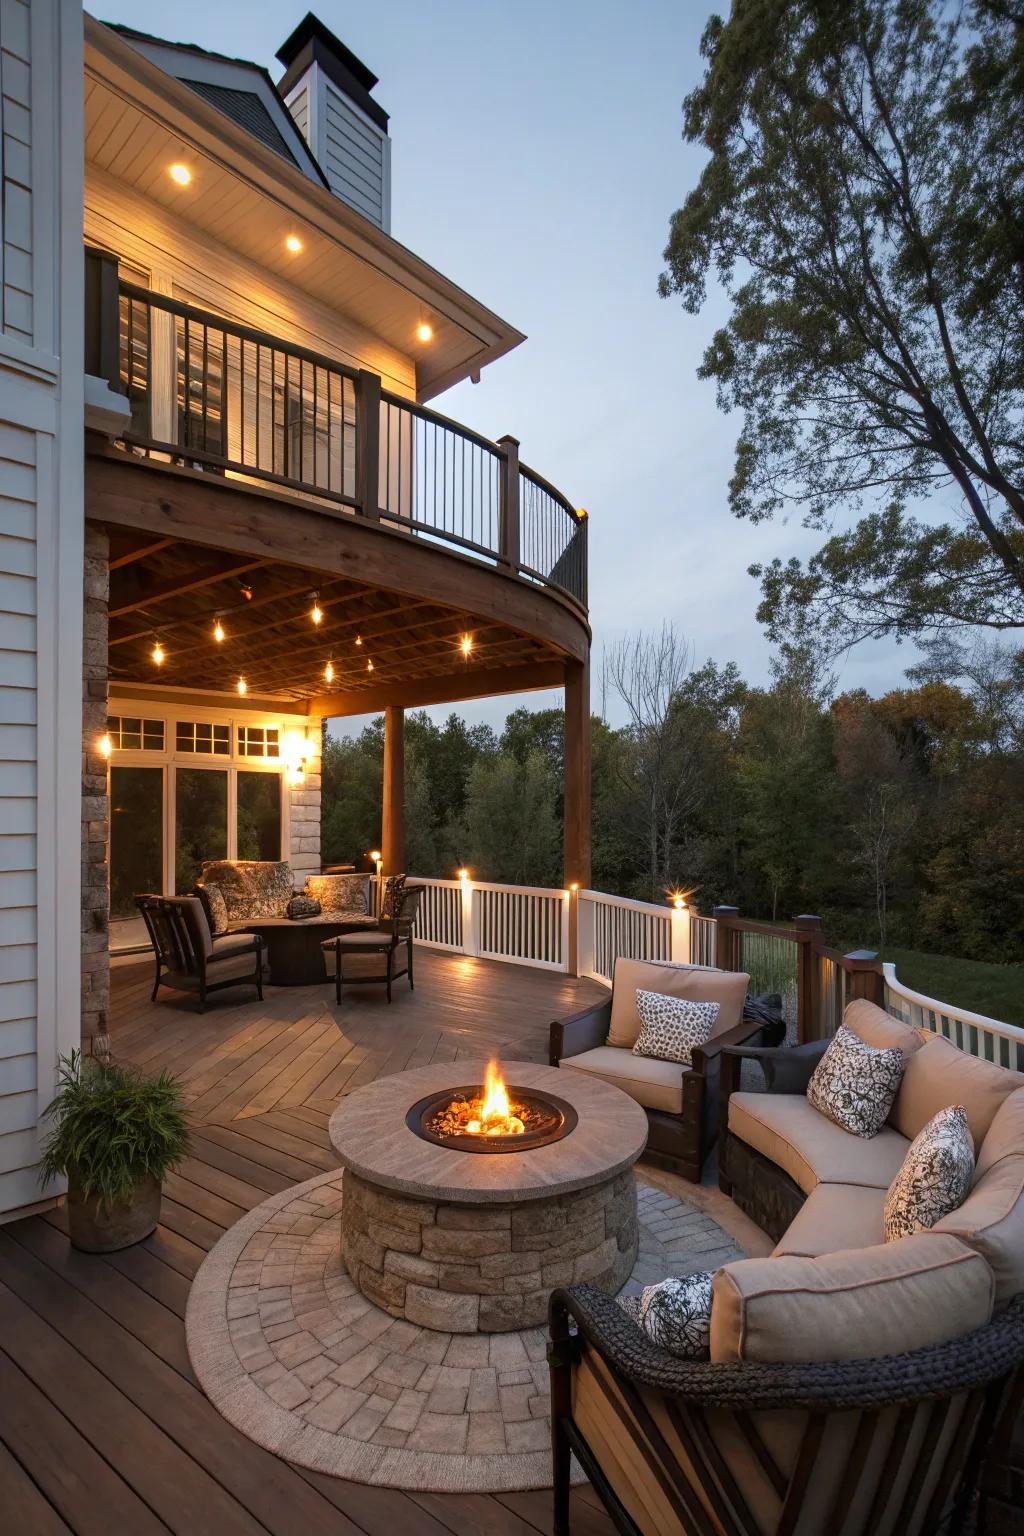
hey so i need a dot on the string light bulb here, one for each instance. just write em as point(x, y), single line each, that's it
point(466, 645)
point(158, 654)
point(243, 687)
point(329, 672)
point(218, 631)
point(369, 665)
point(359, 639)
point(316, 612)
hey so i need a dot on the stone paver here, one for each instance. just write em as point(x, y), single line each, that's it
point(322, 1356)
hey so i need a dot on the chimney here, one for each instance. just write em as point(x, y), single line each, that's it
point(327, 90)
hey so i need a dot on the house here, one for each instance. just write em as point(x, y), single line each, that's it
point(269, 525)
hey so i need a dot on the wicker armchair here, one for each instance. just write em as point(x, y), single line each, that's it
point(883, 1447)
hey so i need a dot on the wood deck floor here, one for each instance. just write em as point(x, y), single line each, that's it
point(102, 1424)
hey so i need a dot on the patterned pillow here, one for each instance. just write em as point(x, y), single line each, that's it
point(670, 1027)
point(394, 890)
point(855, 1085)
point(216, 908)
point(303, 906)
point(677, 1315)
point(935, 1178)
point(338, 893)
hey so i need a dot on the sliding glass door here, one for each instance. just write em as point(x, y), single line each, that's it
point(136, 837)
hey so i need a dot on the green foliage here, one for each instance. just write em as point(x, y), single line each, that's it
point(861, 204)
point(512, 833)
point(113, 1127)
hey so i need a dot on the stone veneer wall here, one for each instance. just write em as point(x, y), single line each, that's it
point(95, 804)
point(485, 1268)
point(304, 812)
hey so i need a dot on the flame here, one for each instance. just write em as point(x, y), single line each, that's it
point(496, 1117)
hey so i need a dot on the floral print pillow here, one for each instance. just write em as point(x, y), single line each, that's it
point(855, 1085)
point(935, 1178)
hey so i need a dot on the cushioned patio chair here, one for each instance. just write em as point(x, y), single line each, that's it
point(878, 1447)
point(392, 935)
point(189, 958)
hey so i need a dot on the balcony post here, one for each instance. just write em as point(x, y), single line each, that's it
point(863, 977)
point(808, 979)
point(508, 533)
point(392, 843)
point(728, 940)
point(368, 444)
point(102, 323)
point(576, 835)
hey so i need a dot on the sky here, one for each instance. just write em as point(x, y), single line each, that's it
point(536, 159)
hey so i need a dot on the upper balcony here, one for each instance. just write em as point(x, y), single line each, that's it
point(222, 399)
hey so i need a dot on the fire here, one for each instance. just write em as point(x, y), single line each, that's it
point(495, 1117)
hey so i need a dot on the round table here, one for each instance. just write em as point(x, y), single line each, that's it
point(293, 944)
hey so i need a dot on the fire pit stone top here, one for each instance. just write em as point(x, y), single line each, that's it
point(371, 1135)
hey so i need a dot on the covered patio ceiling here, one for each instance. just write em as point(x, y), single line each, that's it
point(384, 647)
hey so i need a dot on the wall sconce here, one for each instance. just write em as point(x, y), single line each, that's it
point(105, 746)
point(298, 749)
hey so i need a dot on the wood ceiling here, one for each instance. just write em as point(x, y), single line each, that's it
point(174, 592)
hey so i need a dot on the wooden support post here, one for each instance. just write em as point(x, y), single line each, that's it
point(576, 835)
point(808, 979)
point(393, 828)
point(863, 977)
point(508, 537)
point(368, 444)
point(728, 941)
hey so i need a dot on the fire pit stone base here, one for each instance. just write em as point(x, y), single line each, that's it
point(463, 1268)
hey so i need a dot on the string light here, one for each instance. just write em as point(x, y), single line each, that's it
point(466, 645)
point(243, 686)
point(218, 631)
point(329, 672)
point(359, 639)
point(316, 613)
point(158, 654)
point(369, 666)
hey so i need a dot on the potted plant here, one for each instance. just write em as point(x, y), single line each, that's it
point(116, 1132)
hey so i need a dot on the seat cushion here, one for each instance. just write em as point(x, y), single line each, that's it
point(991, 1221)
point(366, 938)
point(835, 1216)
point(238, 968)
point(699, 983)
point(879, 1029)
point(856, 1304)
point(654, 1084)
point(811, 1149)
point(939, 1075)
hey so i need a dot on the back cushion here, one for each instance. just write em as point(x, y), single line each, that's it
point(338, 893)
point(991, 1221)
point(857, 1304)
point(879, 1029)
point(1005, 1135)
point(697, 982)
point(252, 888)
point(939, 1075)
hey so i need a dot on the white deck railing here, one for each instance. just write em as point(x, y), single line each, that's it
point(614, 926)
point(527, 924)
point(971, 1032)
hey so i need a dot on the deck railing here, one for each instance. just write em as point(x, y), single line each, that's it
point(971, 1032)
point(213, 395)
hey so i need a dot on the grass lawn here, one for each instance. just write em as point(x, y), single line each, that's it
point(995, 990)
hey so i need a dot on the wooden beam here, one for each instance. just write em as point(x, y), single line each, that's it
point(140, 553)
point(169, 501)
point(451, 688)
point(172, 589)
point(392, 845)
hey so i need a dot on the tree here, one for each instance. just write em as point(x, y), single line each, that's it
point(875, 776)
point(863, 204)
point(511, 831)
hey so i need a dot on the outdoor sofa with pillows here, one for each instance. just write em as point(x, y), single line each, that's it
point(849, 1385)
point(240, 891)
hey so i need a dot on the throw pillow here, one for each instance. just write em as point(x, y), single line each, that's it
point(215, 906)
point(394, 890)
point(935, 1178)
point(303, 906)
point(670, 1027)
point(854, 1085)
point(676, 1314)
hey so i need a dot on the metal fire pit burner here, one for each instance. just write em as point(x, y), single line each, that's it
point(546, 1119)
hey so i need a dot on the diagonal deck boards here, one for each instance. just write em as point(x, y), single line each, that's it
point(102, 1426)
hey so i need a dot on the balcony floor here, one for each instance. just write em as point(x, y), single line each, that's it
point(102, 1424)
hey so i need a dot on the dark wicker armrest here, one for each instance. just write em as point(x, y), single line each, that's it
point(581, 1032)
point(786, 1069)
point(705, 1056)
point(965, 1363)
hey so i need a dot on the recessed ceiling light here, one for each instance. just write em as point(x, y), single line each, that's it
point(180, 173)
point(243, 686)
point(294, 244)
point(424, 332)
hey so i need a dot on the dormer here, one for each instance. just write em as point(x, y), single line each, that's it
point(328, 92)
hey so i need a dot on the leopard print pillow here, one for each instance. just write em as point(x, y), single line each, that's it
point(935, 1178)
point(670, 1027)
point(854, 1084)
point(676, 1314)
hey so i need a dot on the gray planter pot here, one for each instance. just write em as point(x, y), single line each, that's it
point(95, 1230)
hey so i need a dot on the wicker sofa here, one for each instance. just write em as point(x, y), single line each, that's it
point(681, 1102)
point(855, 1386)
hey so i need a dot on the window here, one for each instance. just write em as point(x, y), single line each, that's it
point(200, 737)
point(136, 836)
point(201, 822)
point(130, 734)
point(258, 804)
point(259, 741)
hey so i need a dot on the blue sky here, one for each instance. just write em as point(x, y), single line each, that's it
point(537, 156)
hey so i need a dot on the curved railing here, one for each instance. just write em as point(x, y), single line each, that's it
point(974, 1033)
point(221, 397)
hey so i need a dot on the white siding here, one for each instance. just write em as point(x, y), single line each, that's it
point(41, 421)
point(298, 106)
point(353, 154)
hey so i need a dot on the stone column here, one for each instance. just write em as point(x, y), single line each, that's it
point(304, 811)
point(95, 800)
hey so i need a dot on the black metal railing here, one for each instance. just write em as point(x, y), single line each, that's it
point(213, 395)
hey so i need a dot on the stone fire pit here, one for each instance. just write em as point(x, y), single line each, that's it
point(468, 1242)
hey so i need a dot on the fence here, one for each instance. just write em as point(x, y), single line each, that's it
point(970, 1032)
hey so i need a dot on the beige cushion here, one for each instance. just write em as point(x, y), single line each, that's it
point(879, 1029)
point(699, 982)
point(991, 1221)
point(1005, 1136)
point(654, 1084)
point(836, 1216)
point(939, 1075)
point(812, 1149)
point(239, 969)
point(850, 1305)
